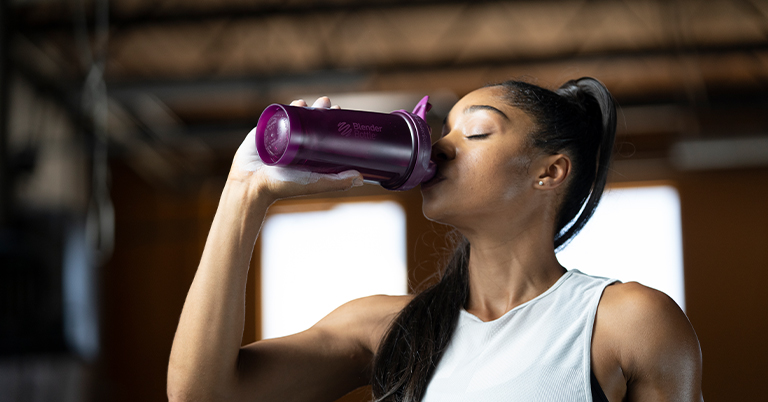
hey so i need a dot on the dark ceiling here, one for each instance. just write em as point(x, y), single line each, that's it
point(199, 72)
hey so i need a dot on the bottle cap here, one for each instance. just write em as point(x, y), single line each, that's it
point(422, 168)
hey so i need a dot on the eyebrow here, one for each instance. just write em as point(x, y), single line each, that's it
point(475, 108)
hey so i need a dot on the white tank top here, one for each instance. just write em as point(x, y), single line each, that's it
point(538, 351)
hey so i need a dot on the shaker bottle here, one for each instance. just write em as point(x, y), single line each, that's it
point(392, 149)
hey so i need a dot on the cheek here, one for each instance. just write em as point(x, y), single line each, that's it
point(517, 176)
point(477, 167)
point(502, 177)
point(486, 182)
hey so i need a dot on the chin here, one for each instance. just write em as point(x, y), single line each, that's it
point(435, 211)
point(429, 211)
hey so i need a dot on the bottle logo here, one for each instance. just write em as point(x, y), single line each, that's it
point(357, 130)
point(345, 129)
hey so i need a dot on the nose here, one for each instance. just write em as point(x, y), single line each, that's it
point(442, 151)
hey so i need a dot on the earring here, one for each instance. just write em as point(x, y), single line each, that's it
point(541, 182)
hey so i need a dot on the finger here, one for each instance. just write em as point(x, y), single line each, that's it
point(323, 102)
point(338, 181)
point(299, 102)
point(353, 175)
point(335, 107)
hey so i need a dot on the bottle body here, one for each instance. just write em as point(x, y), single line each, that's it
point(390, 149)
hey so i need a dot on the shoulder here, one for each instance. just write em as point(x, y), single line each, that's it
point(638, 301)
point(652, 340)
point(649, 312)
point(366, 319)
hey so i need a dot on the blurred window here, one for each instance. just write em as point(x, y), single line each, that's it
point(634, 235)
point(313, 262)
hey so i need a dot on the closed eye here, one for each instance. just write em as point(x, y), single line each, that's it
point(477, 136)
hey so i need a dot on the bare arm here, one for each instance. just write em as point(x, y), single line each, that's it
point(206, 361)
point(206, 346)
point(652, 343)
point(326, 361)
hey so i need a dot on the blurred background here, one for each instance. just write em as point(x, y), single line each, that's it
point(119, 119)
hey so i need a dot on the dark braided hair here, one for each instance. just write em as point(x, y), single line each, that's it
point(578, 119)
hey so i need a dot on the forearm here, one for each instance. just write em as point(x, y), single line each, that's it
point(207, 342)
point(204, 357)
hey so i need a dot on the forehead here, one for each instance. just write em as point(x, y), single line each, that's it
point(495, 97)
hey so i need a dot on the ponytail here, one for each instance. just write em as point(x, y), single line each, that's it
point(594, 145)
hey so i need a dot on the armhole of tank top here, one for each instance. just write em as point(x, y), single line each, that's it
point(596, 391)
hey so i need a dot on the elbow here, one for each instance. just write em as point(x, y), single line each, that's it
point(174, 396)
point(196, 394)
point(178, 387)
point(187, 392)
point(186, 386)
point(177, 394)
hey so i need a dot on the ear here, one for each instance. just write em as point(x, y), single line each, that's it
point(553, 171)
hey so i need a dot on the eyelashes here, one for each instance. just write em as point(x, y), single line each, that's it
point(469, 137)
point(477, 136)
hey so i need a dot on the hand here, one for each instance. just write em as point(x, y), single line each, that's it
point(282, 182)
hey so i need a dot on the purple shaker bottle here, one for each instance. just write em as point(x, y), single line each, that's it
point(390, 149)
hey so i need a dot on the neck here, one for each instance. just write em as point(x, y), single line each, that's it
point(509, 269)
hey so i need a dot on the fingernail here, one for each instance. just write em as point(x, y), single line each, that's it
point(357, 182)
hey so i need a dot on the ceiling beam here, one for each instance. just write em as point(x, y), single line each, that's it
point(60, 22)
point(649, 75)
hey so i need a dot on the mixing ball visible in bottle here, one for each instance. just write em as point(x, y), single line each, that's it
point(277, 134)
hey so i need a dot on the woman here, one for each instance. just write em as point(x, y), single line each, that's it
point(520, 171)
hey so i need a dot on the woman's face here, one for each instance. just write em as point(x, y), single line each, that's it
point(483, 162)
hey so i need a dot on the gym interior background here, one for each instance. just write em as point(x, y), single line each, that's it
point(119, 120)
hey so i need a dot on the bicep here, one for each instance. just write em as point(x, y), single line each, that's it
point(662, 357)
point(322, 363)
point(315, 365)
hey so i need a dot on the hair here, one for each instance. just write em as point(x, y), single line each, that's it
point(578, 119)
